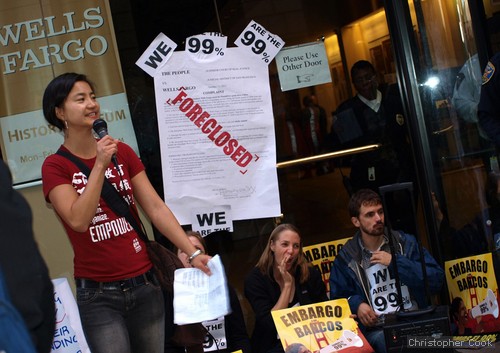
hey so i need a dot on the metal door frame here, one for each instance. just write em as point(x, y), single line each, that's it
point(407, 66)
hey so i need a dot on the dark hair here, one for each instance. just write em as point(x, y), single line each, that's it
point(491, 189)
point(307, 101)
point(363, 197)
point(294, 348)
point(56, 93)
point(266, 261)
point(361, 65)
point(455, 307)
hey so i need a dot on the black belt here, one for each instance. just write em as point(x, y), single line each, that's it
point(122, 285)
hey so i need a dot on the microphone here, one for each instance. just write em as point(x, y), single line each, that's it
point(101, 129)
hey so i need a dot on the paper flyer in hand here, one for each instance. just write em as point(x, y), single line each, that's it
point(199, 297)
point(321, 328)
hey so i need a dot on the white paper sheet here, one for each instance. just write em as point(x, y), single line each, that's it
point(303, 65)
point(199, 171)
point(198, 297)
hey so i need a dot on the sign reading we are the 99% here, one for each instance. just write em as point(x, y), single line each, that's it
point(259, 42)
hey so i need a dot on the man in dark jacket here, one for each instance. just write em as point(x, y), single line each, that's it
point(488, 109)
point(25, 271)
point(363, 272)
point(375, 116)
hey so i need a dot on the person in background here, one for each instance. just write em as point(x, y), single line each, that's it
point(359, 272)
point(375, 117)
point(231, 333)
point(481, 234)
point(313, 124)
point(465, 100)
point(467, 91)
point(281, 279)
point(120, 302)
point(25, 272)
point(488, 110)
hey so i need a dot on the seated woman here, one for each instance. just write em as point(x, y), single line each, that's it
point(281, 279)
point(230, 334)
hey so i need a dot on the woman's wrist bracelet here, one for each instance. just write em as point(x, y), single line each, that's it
point(193, 255)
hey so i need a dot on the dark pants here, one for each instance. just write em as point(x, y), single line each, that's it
point(117, 320)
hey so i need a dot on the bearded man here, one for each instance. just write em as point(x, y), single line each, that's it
point(363, 272)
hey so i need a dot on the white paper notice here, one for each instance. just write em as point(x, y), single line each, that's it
point(217, 139)
point(303, 66)
point(198, 297)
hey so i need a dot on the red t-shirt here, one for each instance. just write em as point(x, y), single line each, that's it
point(110, 249)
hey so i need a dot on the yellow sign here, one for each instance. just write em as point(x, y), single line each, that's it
point(473, 293)
point(322, 327)
point(322, 255)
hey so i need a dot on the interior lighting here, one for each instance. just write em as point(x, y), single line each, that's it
point(432, 82)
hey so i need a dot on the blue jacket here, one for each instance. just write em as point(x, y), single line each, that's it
point(348, 279)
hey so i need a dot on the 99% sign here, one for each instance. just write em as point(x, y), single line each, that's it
point(207, 46)
point(259, 42)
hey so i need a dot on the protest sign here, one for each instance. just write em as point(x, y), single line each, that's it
point(322, 255)
point(321, 327)
point(472, 279)
point(259, 43)
point(68, 334)
point(156, 55)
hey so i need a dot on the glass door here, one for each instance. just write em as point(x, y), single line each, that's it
point(440, 69)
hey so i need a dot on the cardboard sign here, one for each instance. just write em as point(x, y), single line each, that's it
point(322, 255)
point(473, 280)
point(325, 327)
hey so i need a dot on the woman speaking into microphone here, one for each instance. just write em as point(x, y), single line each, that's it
point(120, 301)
